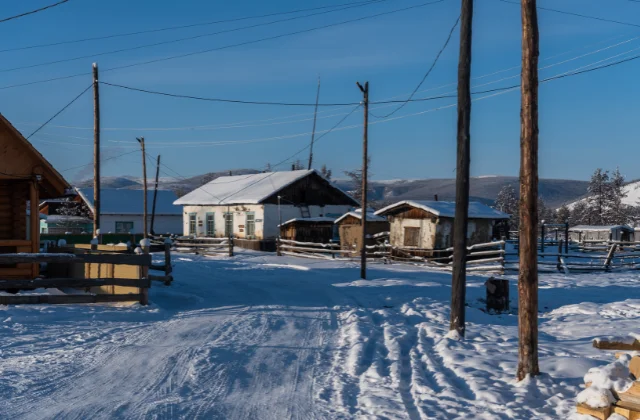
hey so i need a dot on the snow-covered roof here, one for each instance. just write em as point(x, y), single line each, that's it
point(310, 220)
point(371, 216)
point(585, 228)
point(448, 209)
point(60, 218)
point(120, 201)
point(243, 189)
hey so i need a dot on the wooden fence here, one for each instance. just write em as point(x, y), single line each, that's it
point(480, 257)
point(136, 287)
point(204, 246)
point(328, 251)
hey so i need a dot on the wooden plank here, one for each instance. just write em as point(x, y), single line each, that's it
point(615, 344)
point(599, 413)
point(125, 259)
point(15, 242)
point(66, 299)
point(15, 271)
point(631, 395)
point(69, 282)
point(629, 410)
point(164, 279)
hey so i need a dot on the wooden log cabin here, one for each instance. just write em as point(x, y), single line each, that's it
point(25, 178)
point(350, 229)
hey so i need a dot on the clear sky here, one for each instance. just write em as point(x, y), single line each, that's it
point(586, 121)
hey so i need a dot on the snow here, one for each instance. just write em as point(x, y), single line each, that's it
point(243, 189)
point(260, 336)
point(596, 397)
point(123, 201)
point(371, 216)
point(145, 242)
point(310, 220)
point(589, 228)
point(448, 209)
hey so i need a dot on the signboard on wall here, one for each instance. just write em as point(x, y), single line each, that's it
point(258, 220)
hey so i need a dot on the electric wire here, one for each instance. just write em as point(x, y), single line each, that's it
point(33, 11)
point(59, 112)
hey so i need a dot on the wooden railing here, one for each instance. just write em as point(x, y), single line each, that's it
point(328, 251)
point(480, 257)
point(204, 246)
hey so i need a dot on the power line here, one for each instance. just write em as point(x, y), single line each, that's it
point(170, 28)
point(255, 41)
point(578, 14)
point(60, 112)
point(102, 160)
point(33, 11)
point(172, 41)
point(433, 65)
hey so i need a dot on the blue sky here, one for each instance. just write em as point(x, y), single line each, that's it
point(586, 121)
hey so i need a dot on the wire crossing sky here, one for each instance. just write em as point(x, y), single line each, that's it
point(274, 52)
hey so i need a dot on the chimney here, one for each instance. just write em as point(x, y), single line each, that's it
point(435, 197)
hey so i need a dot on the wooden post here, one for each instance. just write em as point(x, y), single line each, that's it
point(528, 277)
point(144, 187)
point(155, 195)
point(542, 233)
point(612, 250)
point(34, 221)
point(278, 250)
point(459, 264)
point(168, 268)
point(560, 255)
point(503, 248)
point(96, 151)
point(144, 292)
point(313, 133)
point(231, 246)
point(566, 238)
point(365, 175)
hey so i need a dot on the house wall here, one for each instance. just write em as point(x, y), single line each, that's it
point(162, 223)
point(266, 217)
point(351, 232)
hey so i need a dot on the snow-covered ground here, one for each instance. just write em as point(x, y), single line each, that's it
point(265, 337)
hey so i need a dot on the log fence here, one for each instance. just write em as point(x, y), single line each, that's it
point(204, 246)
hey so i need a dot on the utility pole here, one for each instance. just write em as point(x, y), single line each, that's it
point(144, 180)
point(313, 132)
point(96, 151)
point(528, 276)
point(155, 195)
point(459, 269)
point(365, 172)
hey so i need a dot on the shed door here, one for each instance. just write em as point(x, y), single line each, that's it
point(412, 236)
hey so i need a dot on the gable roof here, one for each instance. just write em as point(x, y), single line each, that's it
point(447, 209)
point(53, 183)
point(122, 201)
point(245, 189)
point(371, 216)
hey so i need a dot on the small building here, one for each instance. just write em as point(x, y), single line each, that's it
point(66, 214)
point(314, 229)
point(26, 177)
point(601, 233)
point(350, 229)
point(122, 210)
point(429, 224)
point(253, 206)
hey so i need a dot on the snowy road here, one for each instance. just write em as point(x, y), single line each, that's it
point(266, 337)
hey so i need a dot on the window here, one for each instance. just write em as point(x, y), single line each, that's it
point(192, 223)
point(250, 227)
point(210, 225)
point(228, 224)
point(124, 227)
point(412, 236)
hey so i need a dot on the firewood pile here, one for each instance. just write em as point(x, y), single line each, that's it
point(613, 390)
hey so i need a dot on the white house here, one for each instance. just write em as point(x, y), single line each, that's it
point(252, 206)
point(121, 211)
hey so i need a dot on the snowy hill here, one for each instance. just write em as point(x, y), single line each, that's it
point(632, 191)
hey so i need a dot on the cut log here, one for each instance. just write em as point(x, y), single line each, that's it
point(631, 395)
point(616, 343)
point(599, 413)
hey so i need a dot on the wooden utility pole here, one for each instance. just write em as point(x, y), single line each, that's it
point(528, 277)
point(96, 151)
point(155, 195)
point(459, 269)
point(313, 132)
point(144, 180)
point(365, 175)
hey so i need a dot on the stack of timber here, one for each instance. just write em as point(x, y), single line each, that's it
point(614, 388)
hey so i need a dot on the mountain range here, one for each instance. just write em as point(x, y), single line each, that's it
point(554, 192)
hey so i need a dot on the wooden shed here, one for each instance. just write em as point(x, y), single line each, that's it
point(25, 178)
point(428, 225)
point(313, 229)
point(350, 229)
